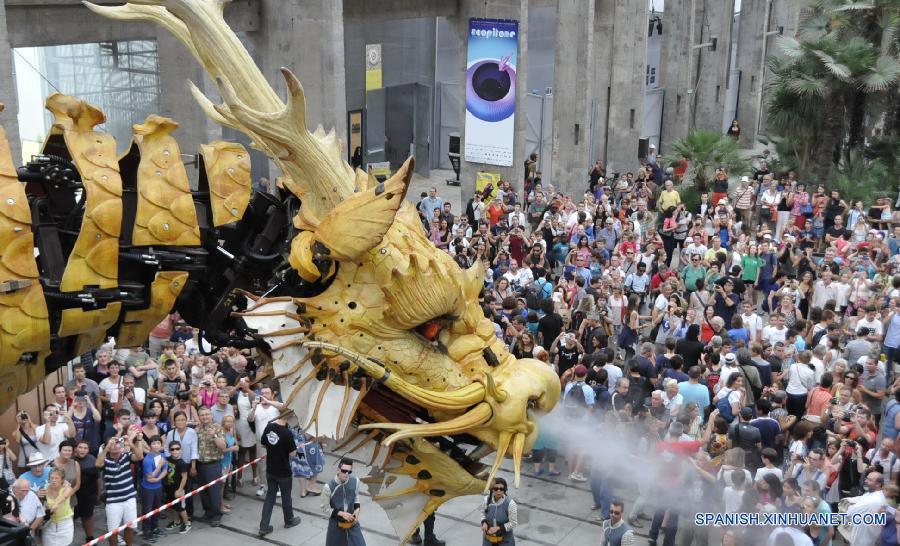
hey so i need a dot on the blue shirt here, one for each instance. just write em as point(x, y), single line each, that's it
point(37, 482)
point(148, 466)
point(740, 333)
point(588, 392)
point(694, 393)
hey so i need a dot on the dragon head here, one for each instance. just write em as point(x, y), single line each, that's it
point(386, 350)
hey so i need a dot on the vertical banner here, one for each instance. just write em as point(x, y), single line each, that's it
point(373, 66)
point(492, 55)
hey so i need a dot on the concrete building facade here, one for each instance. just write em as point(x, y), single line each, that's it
point(584, 63)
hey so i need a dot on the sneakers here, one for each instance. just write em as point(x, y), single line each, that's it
point(185, 527)
point(173, 525)
point(576, 477)
point(554, 473)
point(261, 492)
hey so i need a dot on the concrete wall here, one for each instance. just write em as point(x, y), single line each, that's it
point(542, 28)
point(572, 94)
point(407, 52)
point(8, 118)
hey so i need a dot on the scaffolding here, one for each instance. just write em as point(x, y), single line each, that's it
point(121, 78)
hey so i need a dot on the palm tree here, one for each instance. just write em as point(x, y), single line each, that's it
point(844, 54)
point(705, 151)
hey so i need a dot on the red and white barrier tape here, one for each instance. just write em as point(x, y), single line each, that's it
point(152, 513)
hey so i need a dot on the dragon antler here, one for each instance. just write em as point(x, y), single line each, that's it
point(312, 161)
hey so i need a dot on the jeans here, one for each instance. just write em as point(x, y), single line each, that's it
point(273, 484)
point(602, 491)
point(151, 499)
point(669, 531)
point(211, 498)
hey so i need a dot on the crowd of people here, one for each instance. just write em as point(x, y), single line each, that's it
point(141, 427)
point(741, 350)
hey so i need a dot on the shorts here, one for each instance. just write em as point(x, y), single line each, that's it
point(170, 496)
point(85, 507)
point(540, 455)
point(120, 513)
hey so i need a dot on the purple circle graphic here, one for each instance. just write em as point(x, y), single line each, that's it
point(490, 91)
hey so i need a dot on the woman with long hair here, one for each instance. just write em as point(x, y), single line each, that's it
point(690, 347)
point(631, 327)
point(523, 345)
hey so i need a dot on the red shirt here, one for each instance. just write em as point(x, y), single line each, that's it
point(495, 213)
point(658, 280)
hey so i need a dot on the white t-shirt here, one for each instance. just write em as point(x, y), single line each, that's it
point(875, 325)
point(800, 379)
point(762, 472)
point(111, 388)
point(262, 416)
point(57, 435)
point(773, 335)
point(752, 323)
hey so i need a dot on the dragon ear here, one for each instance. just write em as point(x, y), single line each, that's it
point(359, 222)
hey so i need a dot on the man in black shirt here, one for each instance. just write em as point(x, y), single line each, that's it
point(747, 437)
point(837, 231)
point(736, 282)
point(550, 325)
point(568, 352)
point(280, 447)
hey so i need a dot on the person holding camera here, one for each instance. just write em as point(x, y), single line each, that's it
point(114, 462)
point(55, 429)
point(86, 418)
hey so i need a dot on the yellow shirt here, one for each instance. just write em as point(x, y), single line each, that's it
point(668, 199)
point(63, 511)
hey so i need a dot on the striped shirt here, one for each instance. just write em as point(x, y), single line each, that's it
point(117, 481)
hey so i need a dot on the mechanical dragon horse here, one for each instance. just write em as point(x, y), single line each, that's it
point(376, 336)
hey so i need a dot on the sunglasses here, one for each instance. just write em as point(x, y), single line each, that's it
point(345, 471)
point(615, 512)
point(174, 449)
point(498, 488)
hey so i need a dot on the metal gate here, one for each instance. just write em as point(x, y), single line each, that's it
point(447, 108)
point(538, 110)
point(651, 125)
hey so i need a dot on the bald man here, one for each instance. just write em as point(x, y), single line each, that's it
point(31, 512)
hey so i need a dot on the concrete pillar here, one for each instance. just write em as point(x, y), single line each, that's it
point(628, 50)
point(9, 116)
point(675, 61)
point(750, 62)
point(494, 9)
point(711, 77)
point(573, 92)
point(176, 68)
point(308, 38)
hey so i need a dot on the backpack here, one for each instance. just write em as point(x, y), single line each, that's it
point(534, 294)
point(575, 401)
point(724, 407)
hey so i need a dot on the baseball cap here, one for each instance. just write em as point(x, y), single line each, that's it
point(689, 240)
point(580, 370)
point(746, 412)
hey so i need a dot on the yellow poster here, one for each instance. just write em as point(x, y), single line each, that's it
point(482, 179)
point(373, 66)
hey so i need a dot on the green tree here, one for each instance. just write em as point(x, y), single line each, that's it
point(705, 151)
point(845, 54)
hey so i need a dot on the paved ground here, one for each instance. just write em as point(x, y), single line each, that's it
point(438, 179)
point(555, 511)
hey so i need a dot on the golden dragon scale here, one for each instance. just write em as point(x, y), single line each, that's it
point(376, 337)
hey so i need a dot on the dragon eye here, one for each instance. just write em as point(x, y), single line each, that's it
point(430, 330)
